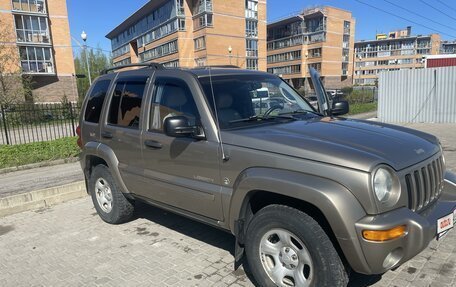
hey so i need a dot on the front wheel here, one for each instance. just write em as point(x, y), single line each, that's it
point(286, 247)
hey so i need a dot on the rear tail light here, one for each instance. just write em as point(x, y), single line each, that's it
point(78, 132)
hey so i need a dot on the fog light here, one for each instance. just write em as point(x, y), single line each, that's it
point(385, 235)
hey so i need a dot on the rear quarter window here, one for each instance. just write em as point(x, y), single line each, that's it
point(95, 101)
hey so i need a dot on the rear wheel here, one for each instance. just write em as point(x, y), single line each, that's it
point(286, 247)
point(109, 201)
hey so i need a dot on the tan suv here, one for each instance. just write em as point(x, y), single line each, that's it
point(308, 195)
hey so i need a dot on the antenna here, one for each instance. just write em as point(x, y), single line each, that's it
point(224, 157)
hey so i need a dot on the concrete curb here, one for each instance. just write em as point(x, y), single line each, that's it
point(38, 164)
point(41, 198)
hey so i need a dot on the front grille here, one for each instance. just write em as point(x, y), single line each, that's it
point(424, 184)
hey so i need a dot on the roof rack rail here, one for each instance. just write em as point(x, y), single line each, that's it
point(155, 66)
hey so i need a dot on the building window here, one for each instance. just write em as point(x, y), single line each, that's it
point(36, 60)
point(347, 27)
point(283, 57)
point(32, 29)
point(202, 6)
point(293, 69)
point(251, 48)
point(345, 55)
point(252, 64)
point(251, 9)
point(164, 16)
point(121, 51)
point(201, 62)
point(280, 44)
point(171, 64)
point(202, 21)
point(181, 24)
point(251, 28)
point(200, 43)
point(122, 62)
point(35, 6)
point(314, 53)
point(161, 32)
point(180, 7)
point(160, 51)
point(316, 66)
point(344, 69)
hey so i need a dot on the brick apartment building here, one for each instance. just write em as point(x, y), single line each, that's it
point(393, 51)
point(448, 47)
point(322, 38)
point(40, 34)
point(189, 33)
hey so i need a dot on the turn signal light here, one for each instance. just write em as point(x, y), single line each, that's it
point(78, 133)
point(385, 235)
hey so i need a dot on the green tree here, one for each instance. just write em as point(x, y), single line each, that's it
point(14, 86)
point(98, 61)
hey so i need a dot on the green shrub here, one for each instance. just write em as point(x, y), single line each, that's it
point(16, 155)
point(360, 96)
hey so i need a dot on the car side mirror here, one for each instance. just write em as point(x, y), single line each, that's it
point(340, 108)
point(178, 127)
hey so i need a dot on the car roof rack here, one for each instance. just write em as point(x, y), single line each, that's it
point(155, 66)
point(218, 67)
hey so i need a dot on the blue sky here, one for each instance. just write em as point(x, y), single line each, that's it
point(98, 17)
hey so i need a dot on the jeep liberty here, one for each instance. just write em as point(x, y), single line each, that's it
point(308, 195)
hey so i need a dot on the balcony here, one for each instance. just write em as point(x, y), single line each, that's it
point(202, 7)
point(30, 6)
point(30, 36)
point(37, 67)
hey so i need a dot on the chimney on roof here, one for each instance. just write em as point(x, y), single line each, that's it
point(409, 31)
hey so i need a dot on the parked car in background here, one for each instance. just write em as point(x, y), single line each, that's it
point(312, 99)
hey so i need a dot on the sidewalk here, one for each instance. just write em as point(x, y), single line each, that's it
point(40, 187)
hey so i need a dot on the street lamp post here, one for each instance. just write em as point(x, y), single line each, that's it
point(230, 49)
point(84, 38)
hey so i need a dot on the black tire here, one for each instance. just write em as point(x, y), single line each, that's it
point(121, 208)
point(328, 269)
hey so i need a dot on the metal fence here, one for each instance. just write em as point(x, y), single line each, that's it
point(418, 95)
point(25, 123)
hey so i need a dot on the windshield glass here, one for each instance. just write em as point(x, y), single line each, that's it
point(243, 100)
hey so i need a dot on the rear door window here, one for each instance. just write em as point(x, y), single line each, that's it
point(125, 109)
point(95, 101)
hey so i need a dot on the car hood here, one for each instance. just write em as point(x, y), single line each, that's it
point(350, 143)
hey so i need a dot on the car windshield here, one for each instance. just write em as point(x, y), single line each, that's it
point(246, 100)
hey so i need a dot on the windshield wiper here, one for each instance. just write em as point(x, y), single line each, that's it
point(300, 111)
point(261, 118)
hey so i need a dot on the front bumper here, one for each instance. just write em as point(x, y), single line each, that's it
point(421, 229)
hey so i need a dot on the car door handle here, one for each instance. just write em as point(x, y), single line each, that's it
point(106, 135)
point(153, 144)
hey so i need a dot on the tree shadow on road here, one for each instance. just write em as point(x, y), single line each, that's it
point(218, 238)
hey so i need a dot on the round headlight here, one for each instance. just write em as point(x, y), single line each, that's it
point(383, 184)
